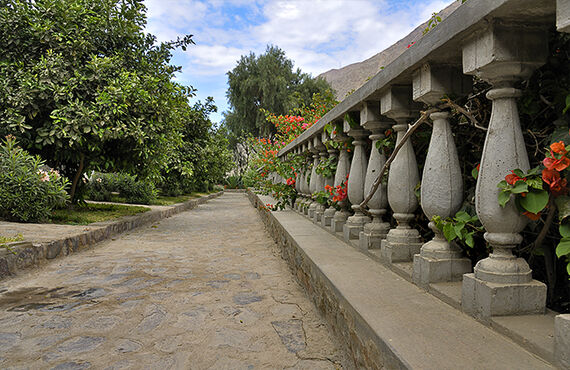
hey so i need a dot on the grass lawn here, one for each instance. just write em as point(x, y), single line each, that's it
point(91, 212)
point(163, 200)
point(168, 201)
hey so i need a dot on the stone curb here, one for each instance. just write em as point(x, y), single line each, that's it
point(358, 338)
point(27, 254)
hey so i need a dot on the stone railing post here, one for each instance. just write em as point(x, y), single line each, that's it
point(374, 232)
point(402, 242)
point(563, 16)
point(297, 183)
point(442, 183)
point(320, 208)
point(501, 283)
point(314, 178)
point(342, 170)
point(355, 189)
point(328, 213)
point(305, 183)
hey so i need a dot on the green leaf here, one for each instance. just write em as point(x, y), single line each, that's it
point(469, 240)
point(568, 268)
point(458, 229)
point(520, 187)
point(502, 184)
point(563, 205)
point(462, 216)
point(449, 232)
point(567, 104)
point(535, 201)
point(475, 173)
point(535, 183)
point(533, 171)
point(504, 197)
point(519, 172)
point(564, 230)
point(563, 248)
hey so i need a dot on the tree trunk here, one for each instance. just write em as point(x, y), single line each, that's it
point(76, 178)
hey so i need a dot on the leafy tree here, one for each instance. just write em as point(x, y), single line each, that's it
point(202, 158)
point(266, 82)
point(82, 85)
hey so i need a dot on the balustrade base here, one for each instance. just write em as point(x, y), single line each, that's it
point(327, 217)
point(431, 270)
point(483, 299)
point(312, 209)
point(400, 245)
point(368, 241)
point(337, 225)
point(354, 225)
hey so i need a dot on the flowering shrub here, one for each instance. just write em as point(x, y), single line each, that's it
point(28, 193)
point(537, 190)
point(265, 161)
point(338, 193)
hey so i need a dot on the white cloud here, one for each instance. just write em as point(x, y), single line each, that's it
point(316, 34)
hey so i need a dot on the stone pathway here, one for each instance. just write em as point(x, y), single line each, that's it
point(203, 289)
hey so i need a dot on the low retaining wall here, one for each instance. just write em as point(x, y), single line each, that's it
point(27, 254)
point(363, 345)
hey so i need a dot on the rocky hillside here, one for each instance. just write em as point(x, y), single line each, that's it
point(351, 77)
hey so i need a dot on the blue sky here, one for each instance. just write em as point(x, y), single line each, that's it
point(316, 35)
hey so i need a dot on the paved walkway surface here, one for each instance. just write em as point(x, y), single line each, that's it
point(203, 289)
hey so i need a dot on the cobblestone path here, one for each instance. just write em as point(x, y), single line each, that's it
point(203, 289)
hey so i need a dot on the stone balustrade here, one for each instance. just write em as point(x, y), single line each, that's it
point(499, 41)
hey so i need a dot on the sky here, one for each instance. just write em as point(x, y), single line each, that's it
point(317, 35)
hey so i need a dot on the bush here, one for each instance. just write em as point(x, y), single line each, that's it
point(28, 193)
point(101, 187)
point(233, 182)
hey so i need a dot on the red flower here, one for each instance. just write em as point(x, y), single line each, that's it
point(556, 182)
point(556, 164)
point(532, 216)
point(512, 178)
point(558, 148)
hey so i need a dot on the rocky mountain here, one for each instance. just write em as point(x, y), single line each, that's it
point(347, 79)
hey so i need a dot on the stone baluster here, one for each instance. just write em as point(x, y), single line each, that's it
point(374, 232)
point(442, 183)
point(306, 180)
point(501, 283)
point(313, 180)
point(298, 183)
point(355, 190)
point(563, 16)
point(329, 212)
point(402, 242)
point(320, 208)
point(342, 169)
point(303, 180)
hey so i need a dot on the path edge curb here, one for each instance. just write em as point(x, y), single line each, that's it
point(28, 255)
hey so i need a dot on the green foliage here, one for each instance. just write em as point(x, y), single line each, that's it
point(28, 193)
point(203, 155)
point(327, 167)
point(233, 182)
point(267, 82)
point(461, 227)
point(88, 213)
point(528, 184)
point(321, 197)
point(101, 187)
point(85, 87)
point(432, 22)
